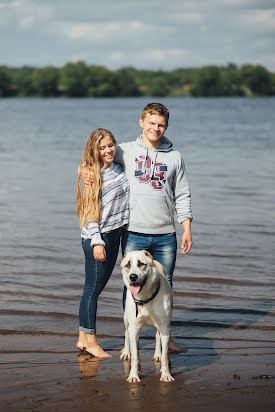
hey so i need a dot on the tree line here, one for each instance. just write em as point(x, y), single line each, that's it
point(82, 80)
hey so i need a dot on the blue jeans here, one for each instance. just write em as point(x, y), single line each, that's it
point(97, 275)
point(163, 248)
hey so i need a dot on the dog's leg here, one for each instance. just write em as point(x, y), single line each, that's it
point(157, 354)
point(125, 353)
point(133, 337)
point(165, 374)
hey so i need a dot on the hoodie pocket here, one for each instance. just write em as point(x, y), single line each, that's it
point(149, 210)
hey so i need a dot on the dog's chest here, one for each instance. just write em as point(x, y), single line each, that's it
point(145, 316)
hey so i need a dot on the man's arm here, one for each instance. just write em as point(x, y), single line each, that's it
point(186, 242)
point(182, 198)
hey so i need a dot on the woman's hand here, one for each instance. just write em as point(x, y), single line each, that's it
point(100, 253)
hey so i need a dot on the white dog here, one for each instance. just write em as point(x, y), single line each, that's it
point(148, 303)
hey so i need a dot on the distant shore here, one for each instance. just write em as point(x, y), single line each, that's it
point(78, 79)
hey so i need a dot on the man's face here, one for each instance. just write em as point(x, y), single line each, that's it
point(153, 126)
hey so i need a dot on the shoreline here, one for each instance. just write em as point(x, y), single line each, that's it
point(46, 373)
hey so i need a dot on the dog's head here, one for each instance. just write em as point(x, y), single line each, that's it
point(136, 267)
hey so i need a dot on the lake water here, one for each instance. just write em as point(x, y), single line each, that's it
point(223, 287)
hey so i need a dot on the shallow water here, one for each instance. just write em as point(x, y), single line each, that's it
point(224, 287)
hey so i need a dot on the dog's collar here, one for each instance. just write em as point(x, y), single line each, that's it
point(143, 302)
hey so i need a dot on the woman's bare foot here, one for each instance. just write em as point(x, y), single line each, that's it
point(94, 348)
point(81, 343)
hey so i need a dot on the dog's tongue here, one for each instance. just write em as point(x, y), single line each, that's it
point(134, 289)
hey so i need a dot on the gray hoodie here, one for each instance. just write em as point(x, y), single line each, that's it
point(158, 186)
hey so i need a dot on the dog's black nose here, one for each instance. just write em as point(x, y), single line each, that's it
point(133, 277)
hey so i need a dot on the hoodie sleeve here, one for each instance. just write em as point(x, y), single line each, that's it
point(120, 153)
point(182, 195)
point(92, 231)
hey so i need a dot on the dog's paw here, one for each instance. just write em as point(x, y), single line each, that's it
point(133, 379)
point(125, 356)
point(157, 357)
point(166, 377)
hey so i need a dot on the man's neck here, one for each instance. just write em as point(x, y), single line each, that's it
point(151, 145)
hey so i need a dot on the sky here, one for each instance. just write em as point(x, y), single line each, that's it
point(145, 34)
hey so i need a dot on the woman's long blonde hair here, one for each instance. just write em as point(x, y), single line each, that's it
point(88, 195)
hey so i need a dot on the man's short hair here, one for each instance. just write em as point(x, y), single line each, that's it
point(156, 108)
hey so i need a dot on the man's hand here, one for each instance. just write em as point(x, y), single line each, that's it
point(186, 243)
point(100, 253)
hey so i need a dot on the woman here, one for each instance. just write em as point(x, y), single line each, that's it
point(103, 210)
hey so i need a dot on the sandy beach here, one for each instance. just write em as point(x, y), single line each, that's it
point(43, 372)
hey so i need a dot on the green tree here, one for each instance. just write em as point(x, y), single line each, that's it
point(208, 82)
point(126, 82)
point(158, 87)
point(45, 81)
point(257, 78)
point(101, 82)
point(231, 81)
point(5, 82)
point(73, 79)
point(22, 81)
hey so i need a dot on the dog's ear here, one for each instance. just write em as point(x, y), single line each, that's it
point(121, 262)
point(123, 259)
point(148, 254)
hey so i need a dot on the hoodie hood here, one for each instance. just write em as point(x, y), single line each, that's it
point(166, 144)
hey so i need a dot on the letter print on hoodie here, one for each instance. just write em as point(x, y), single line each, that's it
point(148, 172)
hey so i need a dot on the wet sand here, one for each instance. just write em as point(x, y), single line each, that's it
point(44, 372)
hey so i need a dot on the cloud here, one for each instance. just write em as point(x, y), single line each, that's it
point(259, 20)
point(153, 58)
point(267, 60)
point(108, 33)
point(264, 43)
point(95, 31)
point(145, 34)
point(24, 14)
point(240, 4)
point(185, 17)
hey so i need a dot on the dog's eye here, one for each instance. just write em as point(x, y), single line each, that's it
point(128, 264)
point(140, 264)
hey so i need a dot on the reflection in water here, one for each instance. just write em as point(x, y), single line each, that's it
point(88, 366)
point(127, 366)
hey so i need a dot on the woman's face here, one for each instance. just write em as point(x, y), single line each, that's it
point(107, 150)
